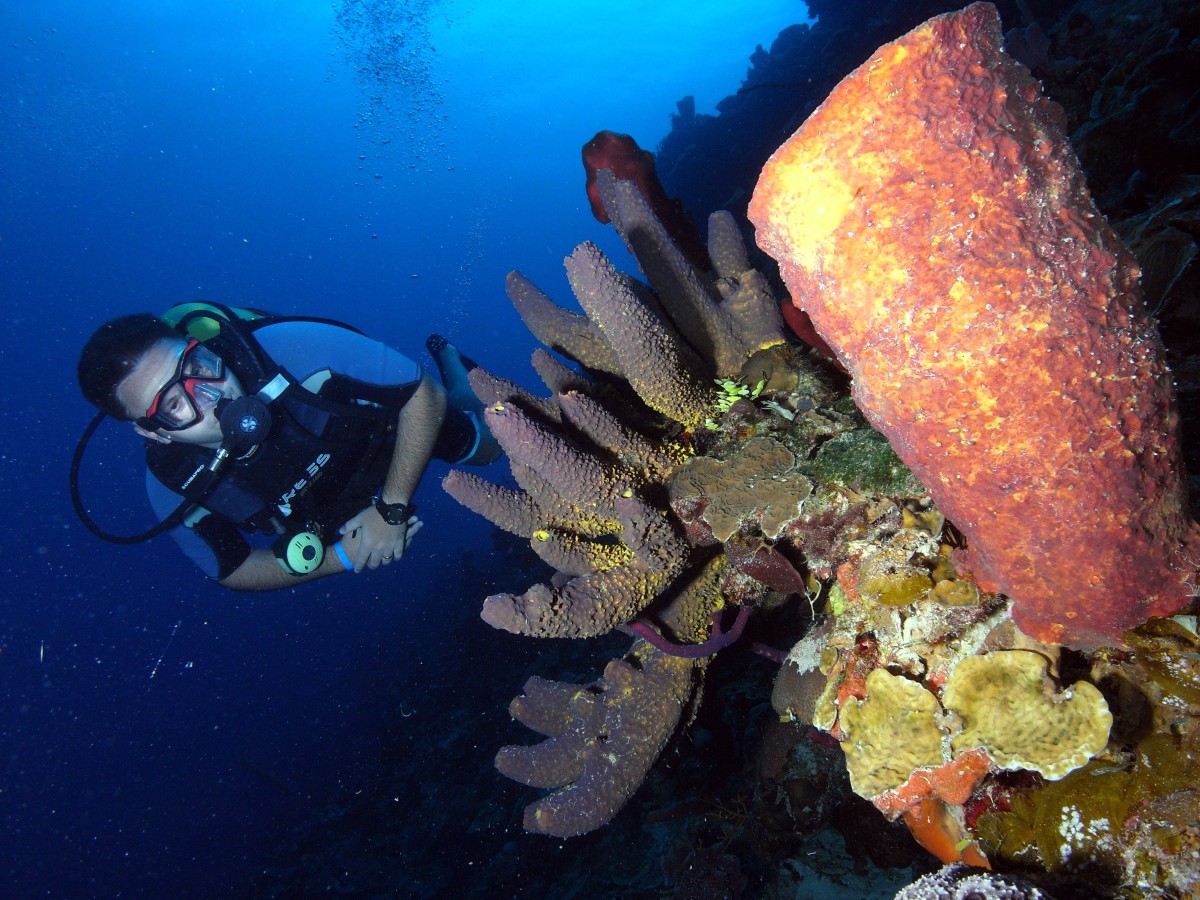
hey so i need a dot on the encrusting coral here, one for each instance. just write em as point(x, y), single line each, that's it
point(1009, 709)
point(1133, 809)
point(661, 502)
point(933, 221)
point(997, 711)
point(884, 745)
point(760, 481)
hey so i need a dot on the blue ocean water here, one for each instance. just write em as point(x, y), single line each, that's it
point(382, 162)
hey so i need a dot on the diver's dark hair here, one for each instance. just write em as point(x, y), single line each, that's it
point(112, 352)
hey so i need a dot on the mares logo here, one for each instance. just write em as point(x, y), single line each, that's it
point(312, 473)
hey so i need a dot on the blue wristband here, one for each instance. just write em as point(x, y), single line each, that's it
point(341, 554)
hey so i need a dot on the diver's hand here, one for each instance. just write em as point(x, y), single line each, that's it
point(378, 543)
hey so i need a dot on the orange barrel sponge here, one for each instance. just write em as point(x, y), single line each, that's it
point(932, 219)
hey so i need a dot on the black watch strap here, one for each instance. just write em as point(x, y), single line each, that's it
point(395, 513)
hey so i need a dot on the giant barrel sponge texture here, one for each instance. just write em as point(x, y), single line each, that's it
point(933, 220)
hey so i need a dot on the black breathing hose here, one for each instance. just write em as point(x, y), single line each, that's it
point(245, 423)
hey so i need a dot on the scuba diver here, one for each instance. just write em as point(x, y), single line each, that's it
point(298, 429)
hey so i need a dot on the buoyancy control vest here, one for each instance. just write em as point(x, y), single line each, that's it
point(329, 445)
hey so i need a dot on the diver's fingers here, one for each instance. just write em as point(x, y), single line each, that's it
point(414, 525)
point(362, 559)
point(353, 523)
point(352, 543)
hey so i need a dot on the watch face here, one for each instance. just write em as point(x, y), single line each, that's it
point(394, 513)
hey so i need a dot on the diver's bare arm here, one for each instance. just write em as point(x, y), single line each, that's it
point(417, 427)
point(262, 572)
point(416, 434)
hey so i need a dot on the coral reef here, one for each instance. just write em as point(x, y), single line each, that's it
point(651, 517)
point(919, 671)
point(750, 802)
point(661, 502)
point(1129, 814)
point(988, 295)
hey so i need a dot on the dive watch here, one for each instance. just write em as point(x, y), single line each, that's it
point(395, 513)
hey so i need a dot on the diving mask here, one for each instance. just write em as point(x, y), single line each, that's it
point(191, 391)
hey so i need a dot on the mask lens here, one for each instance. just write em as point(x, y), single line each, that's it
point(175, 409)
point(201, 363)
point(189, 394)
point(205, 395)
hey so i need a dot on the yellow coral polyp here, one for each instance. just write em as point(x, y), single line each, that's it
point(1010, 708)
point(609, 556)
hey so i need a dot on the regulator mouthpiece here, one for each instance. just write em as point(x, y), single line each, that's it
point(245, 423)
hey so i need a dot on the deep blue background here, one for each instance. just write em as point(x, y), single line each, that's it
point(157, 733)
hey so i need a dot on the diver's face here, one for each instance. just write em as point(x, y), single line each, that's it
point(154, 384)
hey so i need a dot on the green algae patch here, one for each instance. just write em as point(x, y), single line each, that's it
point(864, 461)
